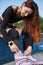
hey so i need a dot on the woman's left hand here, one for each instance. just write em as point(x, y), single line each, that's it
point(1, 35)
point(28, 51)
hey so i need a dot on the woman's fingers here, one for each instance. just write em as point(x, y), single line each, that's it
point(28, 51)
point(1, 35)
point(14, 48)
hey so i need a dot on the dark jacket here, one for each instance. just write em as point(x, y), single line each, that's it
point(9, 16)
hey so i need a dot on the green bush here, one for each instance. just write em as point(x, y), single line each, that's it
point(20, 23)
point(41, 25)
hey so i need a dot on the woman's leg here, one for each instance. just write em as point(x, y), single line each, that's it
point(14, 36)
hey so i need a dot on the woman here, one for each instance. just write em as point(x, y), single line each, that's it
point(31, 29)
point(14, 14)
point(32, 24)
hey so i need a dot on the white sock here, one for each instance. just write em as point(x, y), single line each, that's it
point(18, 54)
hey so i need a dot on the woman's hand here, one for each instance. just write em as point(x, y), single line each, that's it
point(14, 47)
point(28, 51)
point(1, 35)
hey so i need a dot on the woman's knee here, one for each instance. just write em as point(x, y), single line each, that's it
point(14, 33)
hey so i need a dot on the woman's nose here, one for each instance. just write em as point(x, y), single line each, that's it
point(23, 12)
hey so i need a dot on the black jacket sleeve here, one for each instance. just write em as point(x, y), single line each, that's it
point(27, 41)
point(6, 20)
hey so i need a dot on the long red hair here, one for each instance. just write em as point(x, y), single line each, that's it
point(32, 22)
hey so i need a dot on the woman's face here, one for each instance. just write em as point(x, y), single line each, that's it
point(26, 11)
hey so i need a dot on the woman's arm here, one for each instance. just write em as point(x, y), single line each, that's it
point(28, 43)
point(6, 20)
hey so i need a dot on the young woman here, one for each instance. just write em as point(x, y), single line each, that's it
point(14, 14)
point(31, 29)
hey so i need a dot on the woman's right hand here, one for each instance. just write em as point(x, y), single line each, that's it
point(1, 35)
point(14, 47)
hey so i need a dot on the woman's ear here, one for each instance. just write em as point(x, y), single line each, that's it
point(31, 11)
